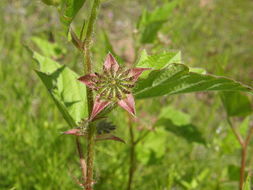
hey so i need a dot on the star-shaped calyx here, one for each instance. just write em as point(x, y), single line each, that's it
point(114, 85)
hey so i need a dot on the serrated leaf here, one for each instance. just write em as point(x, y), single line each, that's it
point(69, 9)
point(158, 61)
point(176, 79)
point(236, 104)
point(67, 92)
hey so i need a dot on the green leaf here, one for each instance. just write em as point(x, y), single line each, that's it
point(189, 132)
point(150, 32)
point(151, 22)
point(69, 9)
point(177, 117)
point(233, 172)
point(52, 2)
point(179, 123)
point(48, 49)
point(158, 61)
point(230, 143)
point(176, 79)
point(247, 183)
point(149, 151)
point(67, 92)
point(236, 104)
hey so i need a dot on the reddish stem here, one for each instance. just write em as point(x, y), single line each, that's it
point(82, 160)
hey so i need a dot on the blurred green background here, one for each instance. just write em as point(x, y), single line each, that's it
point(213, 34)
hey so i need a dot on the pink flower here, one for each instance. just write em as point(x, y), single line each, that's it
point(114, 85)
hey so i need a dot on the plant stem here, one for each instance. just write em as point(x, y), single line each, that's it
point(243, 163)
point(132, 154)
point(244, 145)
point(88, 70)
point(244, 157)
point(90, 157)
point(82, 160)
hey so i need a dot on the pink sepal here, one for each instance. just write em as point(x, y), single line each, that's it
point(76, 132)
point(88, 80)
point(136, 72)
point(128, 104)
point(98, 106)
point(111, 63)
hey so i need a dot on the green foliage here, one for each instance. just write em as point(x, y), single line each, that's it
point(34, 154)
point(247, 184)
point(67, 92)
point(236, 104)
point(151, 22)
point(52, 50)
point(176, 79)
point(69, 9)
point(179, 124)
point(52, 2)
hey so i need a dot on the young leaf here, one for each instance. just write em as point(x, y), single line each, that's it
point(151, 22)
point(69, 9)
point(67, 92)
point(176, 79)
point(158, 61)
point(236, 104)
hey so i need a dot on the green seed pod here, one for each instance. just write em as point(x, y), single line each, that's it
point(52, 2)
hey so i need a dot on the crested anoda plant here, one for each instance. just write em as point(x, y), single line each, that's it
point(116, 85)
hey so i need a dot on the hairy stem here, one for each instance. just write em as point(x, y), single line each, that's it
point(90, 157)
point(82, 160)
point(87, 70)
point(132, 155)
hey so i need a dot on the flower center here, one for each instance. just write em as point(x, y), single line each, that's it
point(113, 82)
point(114, 86)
